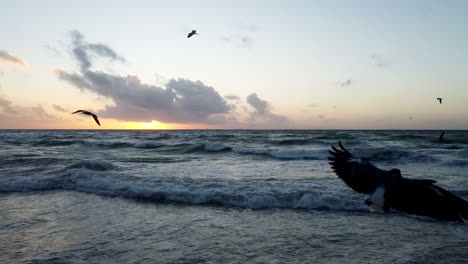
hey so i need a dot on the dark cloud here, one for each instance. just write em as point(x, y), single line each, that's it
point(236, 100)
point(83, 51)
point(262, 110)
point(261, 107)
point(7, 58)
point(379, 61)
point(345, 83)
point(179, 101)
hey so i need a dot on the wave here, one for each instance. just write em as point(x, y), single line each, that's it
point(291, 141)
point(159, 136)
point(55, 142)
point(109, 144)
point(207, 148)
point(273, 153)
point(28, 161)
point(155, 160)
point(293, 154)
point(393, 154)
point(463, 153)
point(413, 137)
point(98, 143)
point(99, 165)
point(148, 145)
point(100, 178)
point(457, 163)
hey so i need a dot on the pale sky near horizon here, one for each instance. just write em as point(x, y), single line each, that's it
point(255, 64)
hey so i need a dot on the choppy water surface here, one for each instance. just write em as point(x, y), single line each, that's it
point(217, 196)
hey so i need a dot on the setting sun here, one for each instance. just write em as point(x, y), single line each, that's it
point(151, 125)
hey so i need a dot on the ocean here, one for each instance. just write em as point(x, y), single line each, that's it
point(218, 196)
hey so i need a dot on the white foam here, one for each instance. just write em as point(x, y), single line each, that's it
point(245, 193)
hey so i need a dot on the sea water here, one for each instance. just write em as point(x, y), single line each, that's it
point(218, 196)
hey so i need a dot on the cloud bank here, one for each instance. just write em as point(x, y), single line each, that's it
point(15, 116)
point(262, 110)
point(178, 101)
point(10, 59)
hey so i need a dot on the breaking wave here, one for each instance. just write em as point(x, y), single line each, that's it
point(103, 178)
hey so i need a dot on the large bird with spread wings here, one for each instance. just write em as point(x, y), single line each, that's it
point(389, 190)
point(84, 112)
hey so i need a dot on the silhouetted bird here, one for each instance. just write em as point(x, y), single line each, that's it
point(389, 190)
point(440, 99)
point(441, 137)
point(84, 112)
point(194, 32)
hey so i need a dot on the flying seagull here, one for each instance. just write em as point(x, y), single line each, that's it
point(88, 113)
point(389, 190)
point(439, 99)
point(194, 32)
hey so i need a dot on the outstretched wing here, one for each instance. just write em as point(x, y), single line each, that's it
point(359, 174)
point(423, 197)
point(96, 119)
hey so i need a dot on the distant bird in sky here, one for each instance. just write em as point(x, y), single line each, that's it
point(194, 32)
point(439, 99)
point(441, 137)
point(84, 112)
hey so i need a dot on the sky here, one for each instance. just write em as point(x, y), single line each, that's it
point(256, 64)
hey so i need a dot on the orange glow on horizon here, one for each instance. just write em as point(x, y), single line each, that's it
point(142, 125)
point(153, 125)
